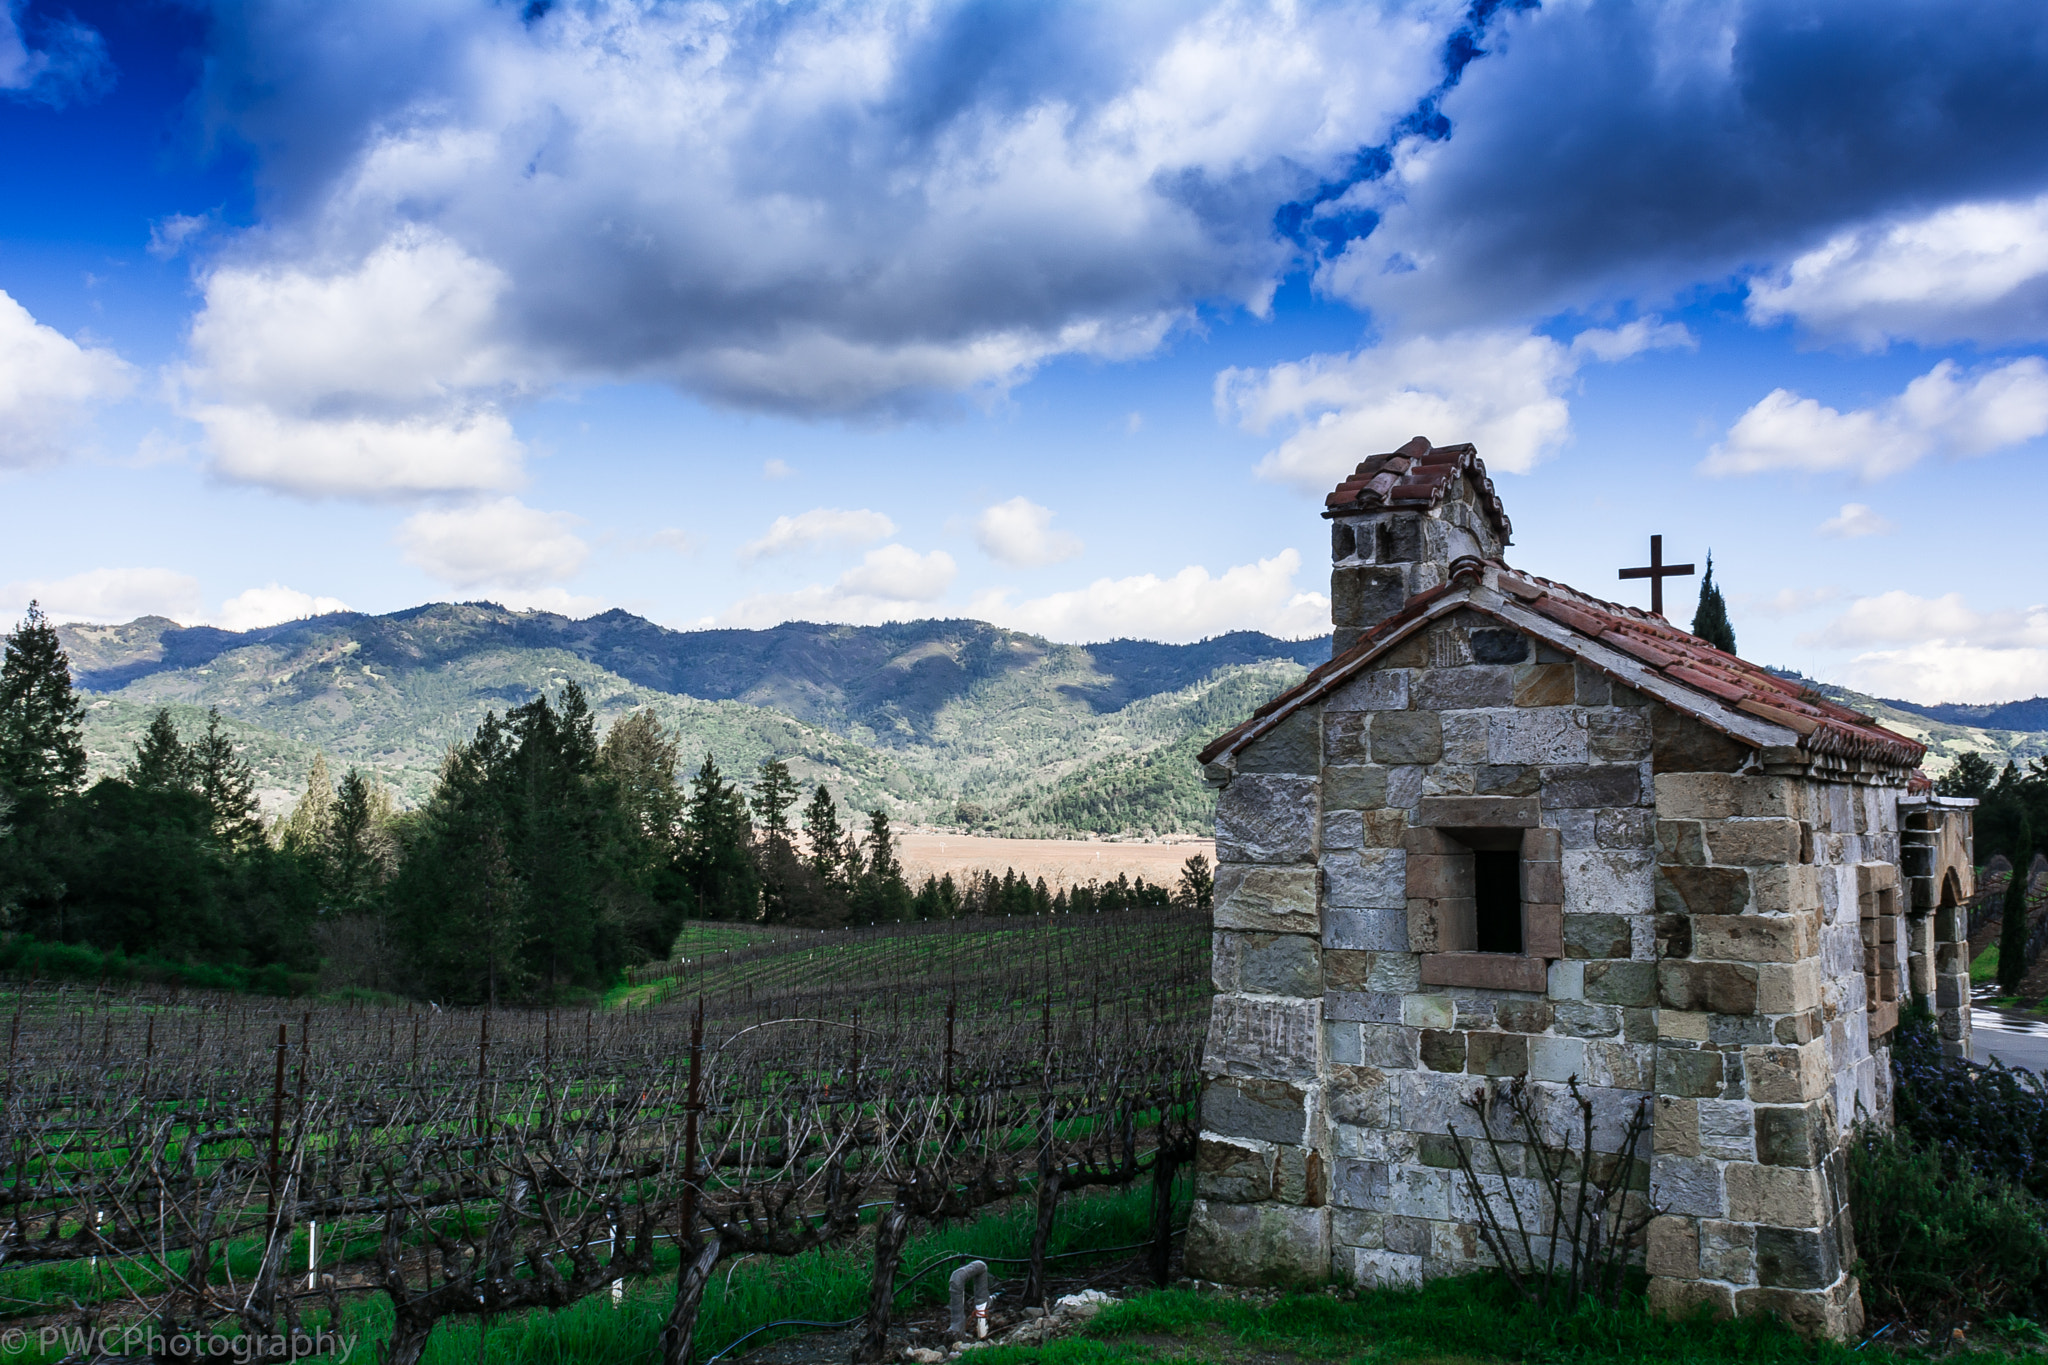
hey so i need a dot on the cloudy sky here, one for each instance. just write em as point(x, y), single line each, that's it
point(1062, 316)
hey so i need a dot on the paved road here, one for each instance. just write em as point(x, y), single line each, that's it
point(2015, 1039)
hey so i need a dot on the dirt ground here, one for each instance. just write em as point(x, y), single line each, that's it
point(1062, 862)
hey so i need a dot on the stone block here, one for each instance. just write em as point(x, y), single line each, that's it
point(1590, 686)
point(1714, 987)
point(1264, 1244)
point(1354, 786)
point(1727, 1250)
point(1254, 1110)
point(1625, 828)
point(1682, 842)
point(1779, 1196)
point(1754, 938)
point(1442, 926)
point(1542, 845)
point(1381, 1269)
point(1358, 1184)
point(1689, 1072)
point(1497, 1054)
point(1756, 842)
point(1426, 1102)
point(1680, 744)
point(1597, 936)
point(1464, 745)
point(1722, 796)
point(1395, 972)
point(1478, 812)
point(1618, 736)
point(1786, 890)
point(1298, 1176)
point(1278, 964)
point(1788, 1135)
point(1443, 1050)
point(1383, 828)
point(1788, 988)
point(1673, 1248)
point(1272, 899)
point(1543, 930)
point(1621, 983)
point(1292, 746)
point(1675, 1126)
point(1556, 1059)
point(1375, 930)
point(1701, 890)
point(1341, 1042)
point(1273, 1039)
point(1506, 779)
point(1581, 1019)
point(1266, 818)
point(1583, 786)
point(1342, 829)
point(1608, 881)
point(1358, 1096)
point(1727, 1130)
point(1787, 1075)
point(1538, 735)
point(1233, 1172)
point(1365, 879)
point(1390, 1047)
point(1690, 1186)
point(1543, 685)
point(1363, 596)
point(1835, 1313)
point(1673, 935)
point(1541, 881)
point(1406, 737)
point(1440, 878)
point(1428, 1011)
point(1496, 646)
point(1380, 689)
point(1522, 1016)
point(1357, 1006)
point(1485, 971)
point(1347, 738)
point(1417, 1192)
point(1472, 688)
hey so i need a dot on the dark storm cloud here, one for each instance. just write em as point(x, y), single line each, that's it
point(1608, 149)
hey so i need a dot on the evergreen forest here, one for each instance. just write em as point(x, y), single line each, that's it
point(549, 855)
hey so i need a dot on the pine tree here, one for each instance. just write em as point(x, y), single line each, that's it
point(358, 853)
point(162, 762)
point(41, 718)
point(774, 794)
point(1710, 621)
point(826, 838)
point(227, 785)
point(881, 895)
point(718, 858)
point(640, 756)
point(1196, 890)
point(304, 831)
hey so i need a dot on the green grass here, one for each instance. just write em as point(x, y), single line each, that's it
point(1472, 1320)
point(1984, 967)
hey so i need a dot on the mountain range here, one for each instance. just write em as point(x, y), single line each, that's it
point(944, 722)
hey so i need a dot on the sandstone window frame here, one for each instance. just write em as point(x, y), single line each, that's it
point(1443, 922)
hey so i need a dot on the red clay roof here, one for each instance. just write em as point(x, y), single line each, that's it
point(1418, 475)
point(1822, 726)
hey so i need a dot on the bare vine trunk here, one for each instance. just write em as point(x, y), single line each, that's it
point(681, 1328)
point(890, 1235)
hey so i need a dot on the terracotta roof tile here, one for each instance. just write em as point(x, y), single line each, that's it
point(1419, 474)
point(1823, 727)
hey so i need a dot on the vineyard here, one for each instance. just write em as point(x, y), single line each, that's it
point(222, 1169)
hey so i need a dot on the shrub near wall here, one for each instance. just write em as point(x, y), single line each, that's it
point(1949, 1222)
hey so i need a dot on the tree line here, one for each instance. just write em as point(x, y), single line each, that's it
point(545, 861)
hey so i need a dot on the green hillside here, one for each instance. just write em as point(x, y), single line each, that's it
point(925, 718)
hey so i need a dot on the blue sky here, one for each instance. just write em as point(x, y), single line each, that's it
point(1055, 315)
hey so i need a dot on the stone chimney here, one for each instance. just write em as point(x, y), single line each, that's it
point(1397, 524)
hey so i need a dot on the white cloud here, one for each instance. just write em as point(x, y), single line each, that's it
point(502, 544)
point(819, 527)
point(68, 61)
point(48, 384)
point(1855, 520)
point(1784, 602)
point(1941, 412)
point(382, 378)
point(268, 606)
point(1968, 272)
point(560, 601)
point(1020, 532)
point(1943, 648)
point(1503, 390)
point(1191, 605)
point(892, 583)
point(848, 209)
point(111, 595)
point(776, 469)
point(172, 234)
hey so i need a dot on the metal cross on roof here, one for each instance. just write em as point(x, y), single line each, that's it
point(1657, 571)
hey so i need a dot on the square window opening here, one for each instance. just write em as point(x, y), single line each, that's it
point(1497, 900)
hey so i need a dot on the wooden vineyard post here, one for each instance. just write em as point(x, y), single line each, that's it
point(695, 1269)
point(1048, 1174)
point(276, 1123)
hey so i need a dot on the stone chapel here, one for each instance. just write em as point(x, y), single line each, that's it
point(1510, 830)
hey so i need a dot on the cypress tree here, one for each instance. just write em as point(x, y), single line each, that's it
point(41, 718)
point(2012, 932)
point(718, 860)
point(1710, 621)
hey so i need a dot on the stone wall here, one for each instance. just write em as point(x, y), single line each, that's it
point(1764, 1058)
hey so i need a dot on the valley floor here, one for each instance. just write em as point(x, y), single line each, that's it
point(1062, 862)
